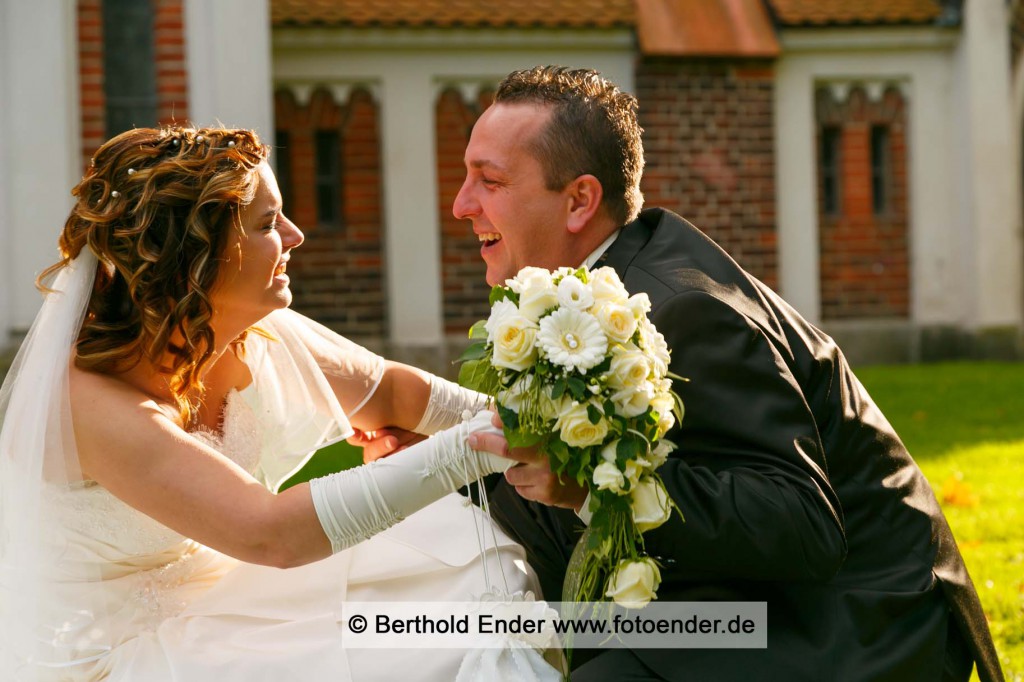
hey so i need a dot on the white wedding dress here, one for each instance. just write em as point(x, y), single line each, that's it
point(177, 610)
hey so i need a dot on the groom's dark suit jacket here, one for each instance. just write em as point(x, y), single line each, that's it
point(795, 489)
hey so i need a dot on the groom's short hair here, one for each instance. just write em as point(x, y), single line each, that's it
point(593, 130)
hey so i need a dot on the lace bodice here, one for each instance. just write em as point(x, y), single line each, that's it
point(115, 528)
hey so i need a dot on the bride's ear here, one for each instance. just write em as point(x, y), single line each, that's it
point(584, 194)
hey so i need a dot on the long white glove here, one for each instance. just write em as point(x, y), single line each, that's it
point(448, 401)
point(356, 504)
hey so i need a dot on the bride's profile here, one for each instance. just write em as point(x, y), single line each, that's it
point(161, 398)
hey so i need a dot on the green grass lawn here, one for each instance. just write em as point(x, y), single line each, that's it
point(964, 424)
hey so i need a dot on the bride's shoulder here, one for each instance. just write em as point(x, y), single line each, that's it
point(111, 398)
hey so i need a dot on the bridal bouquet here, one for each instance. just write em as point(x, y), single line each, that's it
point(578, 370)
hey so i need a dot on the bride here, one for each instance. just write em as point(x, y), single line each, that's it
point(163, 395)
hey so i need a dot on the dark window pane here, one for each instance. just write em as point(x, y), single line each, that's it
point(328, 178)
point(129, 65)
point(283, 162)
point(880, 168)
point(830, 169)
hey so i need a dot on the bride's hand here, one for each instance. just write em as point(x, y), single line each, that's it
point(532, 476)
point(383, 442)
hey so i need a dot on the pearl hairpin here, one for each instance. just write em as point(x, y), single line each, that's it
point(115, 194)
point(131, 171)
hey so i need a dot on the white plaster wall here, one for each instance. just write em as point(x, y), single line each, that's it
point(227, 48)
point(921, 62)
point(40, 157)
point(5, 232)
point(994, 250)
point(406, 71)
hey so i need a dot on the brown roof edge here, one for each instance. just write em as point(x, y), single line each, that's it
point(705, 28)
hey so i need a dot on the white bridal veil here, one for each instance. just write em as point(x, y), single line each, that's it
point(38, 462)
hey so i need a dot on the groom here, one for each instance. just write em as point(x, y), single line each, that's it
point(795, 489)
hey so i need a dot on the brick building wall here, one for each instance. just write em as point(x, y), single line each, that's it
point(338, 272)
point(90, 77)
point(465, 288)
point(864, 270)
point(709, 143)
point(171, 76)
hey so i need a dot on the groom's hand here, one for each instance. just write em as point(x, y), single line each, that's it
point(531, 476)
point(383, 442)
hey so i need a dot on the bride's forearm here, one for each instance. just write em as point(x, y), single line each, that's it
point(414, 400)
point(355, 504)
point(399, 400)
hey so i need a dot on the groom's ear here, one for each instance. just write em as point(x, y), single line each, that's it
point(584, 194)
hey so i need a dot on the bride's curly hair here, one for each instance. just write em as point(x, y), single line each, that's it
point(155, 208)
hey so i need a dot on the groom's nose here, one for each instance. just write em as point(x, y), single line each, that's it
point(465, 205)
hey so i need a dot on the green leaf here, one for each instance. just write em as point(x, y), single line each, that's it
point(519, 438)
point(594, 414)
point(508, 417)
point(558, 450)
point(479, 375)
point(577, 389)
point(679, 410)
point(630, 447)
point(500, 293)
point(609, 408)
point(475, 351)
point(478, 330)
point(558, 388)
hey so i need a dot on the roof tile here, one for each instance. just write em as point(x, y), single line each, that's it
point(454, 13)
point(847, 12)
point(705, 28)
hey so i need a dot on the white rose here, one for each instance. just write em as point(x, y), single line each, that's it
point(537, 292)
point(663, 404)
point(617, 321)
point(572, 339)
point(526, 274)
point(608, 477)
point(633, 401)
point(576, 429)
point(640, 304)
point(634, 583)
point(634, 469)
point(550, 408)
point(515, 344)
point(649, 504)
point(659, 455)
point(656, 347)
point(500, 311)
point(608, 452)
point(512, 397)
point(607, 287)
point(573, 293)
point(629, 368)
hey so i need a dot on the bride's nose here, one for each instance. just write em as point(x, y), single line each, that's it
point(291, 235)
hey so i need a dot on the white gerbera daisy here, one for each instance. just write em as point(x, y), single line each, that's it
point(572, 339)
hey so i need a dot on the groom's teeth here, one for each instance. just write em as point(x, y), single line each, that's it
point(489, 236)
